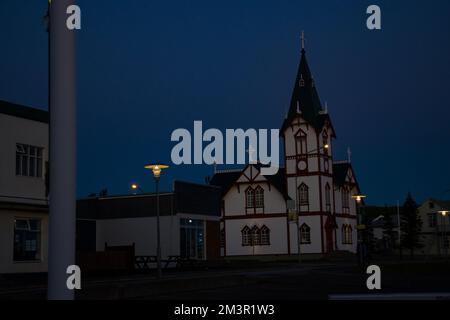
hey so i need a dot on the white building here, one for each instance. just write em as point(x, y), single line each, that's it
point(23, 200)
point(255, 218)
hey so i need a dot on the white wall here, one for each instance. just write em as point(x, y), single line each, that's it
point(7, 265)
point(17, 130)
point(346, 247)
point(141, 231)
point(278, 236)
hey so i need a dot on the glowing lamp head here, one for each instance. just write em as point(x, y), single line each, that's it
point(326, 146)
point(134, 186)
point(358, 197)
point(156, 169)
point(443, 212)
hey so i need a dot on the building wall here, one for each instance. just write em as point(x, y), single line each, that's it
point(7, 265)
point(141, 231)
point(346, 247)
point(18, 130)
point(278, 236)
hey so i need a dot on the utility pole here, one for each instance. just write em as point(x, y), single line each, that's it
point(62, 109)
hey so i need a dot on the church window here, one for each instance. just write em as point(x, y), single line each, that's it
point(250, 198)
point(301, 143)
point(246, 236)
point(345, 200)
point(303, 194)
point(256, 236)
point(259, 197)
point(346, 234)
point(305, 234)
point(328, 197)
point(265, 236)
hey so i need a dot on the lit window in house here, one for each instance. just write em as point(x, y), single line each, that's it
point(28, 160)
point(347, 234)
point(265, 236)
point(27, 240)
point(250, 198)
point(246, 236)
point(305, 234)
point(303, 194)
point(259, 197)
point(328, 197)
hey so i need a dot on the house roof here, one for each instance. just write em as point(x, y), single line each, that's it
point(24, 112)
point(445, 204)
point(226, 179)
point(305, 98)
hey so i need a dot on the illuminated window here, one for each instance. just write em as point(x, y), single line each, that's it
point(305, 234)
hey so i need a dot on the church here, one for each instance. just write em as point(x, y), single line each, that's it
point(308, 205)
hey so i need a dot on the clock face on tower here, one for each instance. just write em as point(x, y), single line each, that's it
point(302, 165)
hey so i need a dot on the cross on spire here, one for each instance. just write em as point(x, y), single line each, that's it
point(303, 40)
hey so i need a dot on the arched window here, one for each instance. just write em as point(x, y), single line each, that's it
point(265, 236)
point(305, 234)
point(246, 236)
point(250, 198)
point(325, 142)
point(259, 197)
point(345, 200)
point(256, 236)
point(301, 142)
point(222, 238)
point(303, 194)
point(347, 234)
point(328, 197)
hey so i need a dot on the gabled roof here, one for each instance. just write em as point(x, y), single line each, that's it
point(340, 170)
point(226, 179)
point(305, 98)
point(24, 112)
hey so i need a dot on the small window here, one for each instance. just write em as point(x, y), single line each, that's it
point(250, 198)
point(265, 236)
point(256, 236)
point(345, 200)
point(328, 197)
point(27, 240)
point(305, 234)
point(259, 197)
point(246, 236)
point(28, 160)
point(303, 194)
point(347, 234)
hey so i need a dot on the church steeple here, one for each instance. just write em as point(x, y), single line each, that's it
point(305, 99)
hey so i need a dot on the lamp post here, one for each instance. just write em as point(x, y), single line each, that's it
point(443, 215)
point(156, 169)
point(360, 227)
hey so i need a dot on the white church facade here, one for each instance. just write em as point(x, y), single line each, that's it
point(308, 204)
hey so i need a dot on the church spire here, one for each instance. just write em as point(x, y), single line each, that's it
point(304, 94)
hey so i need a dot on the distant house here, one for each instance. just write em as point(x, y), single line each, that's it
point(23, 199)
point(434, 225)
point(189, 220)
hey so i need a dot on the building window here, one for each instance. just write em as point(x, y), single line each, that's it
point(305, 234)
point(345, 200)
point(265, 236)
point(256, 236)
point(328, 197)
point(259, 197)
point(192, 238)
point(301, 143)
point(303, 194)
point(250, 198)
point(325, 142)
point(432, 220)
point(222, 238)
point(28, 160)
point(347, 234)
point(246, 236)
point(27, 240)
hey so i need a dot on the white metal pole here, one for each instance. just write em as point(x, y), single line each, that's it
point(62, 107)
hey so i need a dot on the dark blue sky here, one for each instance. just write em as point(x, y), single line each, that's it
point(146, 68)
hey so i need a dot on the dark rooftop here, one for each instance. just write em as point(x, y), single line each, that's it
point(24, 112)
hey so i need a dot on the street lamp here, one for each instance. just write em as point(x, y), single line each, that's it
point(443, 215)
point(135, 187)
point(325, 147)
point(156, 169)
point(360, 226)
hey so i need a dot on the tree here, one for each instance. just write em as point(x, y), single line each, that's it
point(389, 234)
point(411, 225)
